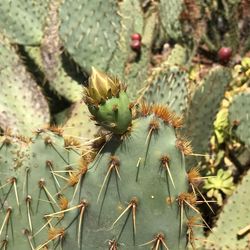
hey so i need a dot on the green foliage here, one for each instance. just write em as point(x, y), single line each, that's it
point(220, 184)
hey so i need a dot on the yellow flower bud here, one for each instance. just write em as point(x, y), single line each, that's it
point(101, 87)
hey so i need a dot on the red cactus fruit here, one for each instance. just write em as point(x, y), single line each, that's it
point(136, 37)
point(224, 54)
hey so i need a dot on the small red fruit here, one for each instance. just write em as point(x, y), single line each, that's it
point(136, 37)
point(224, 54)
point(135, 45)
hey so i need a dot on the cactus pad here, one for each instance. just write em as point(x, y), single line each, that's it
point(22, 20)
point(239, 116)
point(168, 86)
point(23, 106)
point(136, 190)
point(231, 228)
point(89, 31)
point(203, 108)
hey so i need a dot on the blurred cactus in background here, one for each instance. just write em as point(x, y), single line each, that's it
point(124, 124)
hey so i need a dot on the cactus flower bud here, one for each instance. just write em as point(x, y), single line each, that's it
point(108, 102)
point(101, 87)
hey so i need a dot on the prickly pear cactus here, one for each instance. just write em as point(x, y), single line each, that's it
point(90, 35)
point(239, 116)
point(135, 194)
point(168, 86)
point(204, 107)
point(23, 106)
point(22, 20)
point(38, 177)
point(51, 59)
point(170, 11)
point(232, 228)
point(78, 123)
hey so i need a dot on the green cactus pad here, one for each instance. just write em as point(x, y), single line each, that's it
point(37, 178)
point(23, 107)
point(78, 123)
point(89, 31)
point(239, 116)
point(22, 20)
point(131, 66)
point(234, 218)
point(203, 108)
point(170, 11)
point(168, 86)
point(131, 22)
point(131, 200)
point(61, 83)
